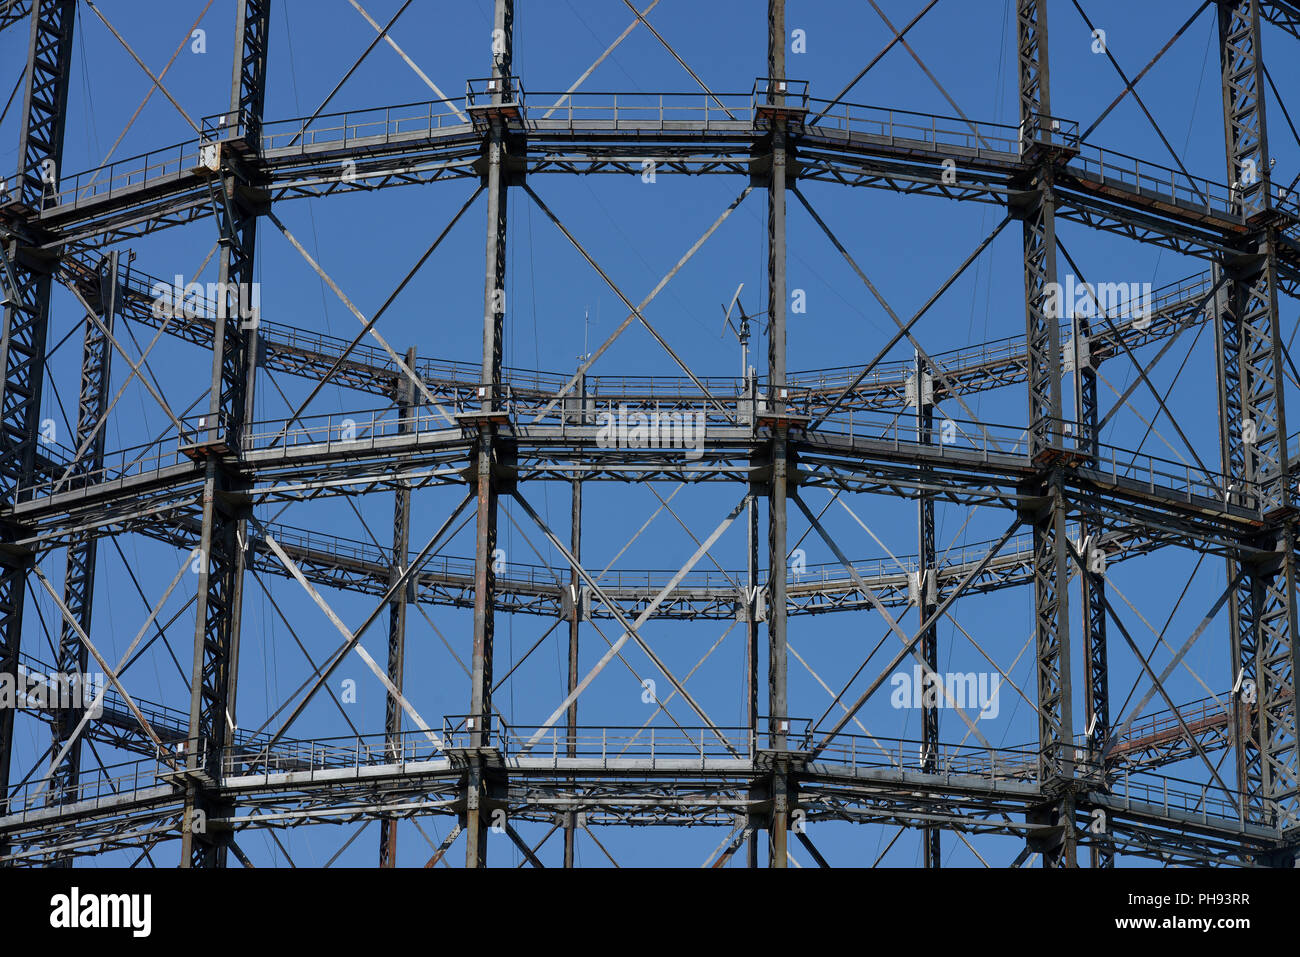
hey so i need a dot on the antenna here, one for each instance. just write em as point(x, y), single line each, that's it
point(586, 329)
point(741, 333)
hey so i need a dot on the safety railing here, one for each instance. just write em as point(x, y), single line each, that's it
point(529, 388)
point(825, 384)
point(768, 93)
point(1165, 474)
point(640, 112)
point(653, 743)
point(1042, 129)
point(605, 743)
point(875, 571)
point(1208, 803)
point(117, 464)
point(334, 431)
point(97, 784)
point(232, 124)
point(170, 724)
point(1157, 728)
point(131, 173)
point(1164, 301)
point(949, 436)
point(308, 544)
point(877, 752)
point(647, 112)
point(1157, 182)
point(330, 754)
point(991, 440)
point(965, 436)
point(371, 127)
point(928, 131)
point(855, 752)
point(495, 91)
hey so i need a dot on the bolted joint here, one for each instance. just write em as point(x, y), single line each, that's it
point(764, 465)
point(575, 598)
point(926, 390)
point(751, 604)
point(921, 589)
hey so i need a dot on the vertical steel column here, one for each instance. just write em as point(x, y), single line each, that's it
point(1092, 585)
point(778, 701)
point(1043, 342)
point(751, 607)
point(397, 611)
point(27, 310)
point(494, 300)
point(1253, 436)
point(79, 574)
point(575, 620)
point(225, 504)
point(926, 597)
point(1042, 327)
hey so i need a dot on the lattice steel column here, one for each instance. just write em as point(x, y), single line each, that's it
point(751, 608)
point(1039, 216)
point(485, 453)
point(926, 597)
point(1092, 584)
point(79, 574)
point(27, 309)
point(575, 622)
point(1043, 342)
point(223, 535)
point(1253, 436)
point(397, 611)
point(778, 699)
point(1092, 589)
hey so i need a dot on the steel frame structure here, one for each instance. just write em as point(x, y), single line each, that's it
point(773, 437)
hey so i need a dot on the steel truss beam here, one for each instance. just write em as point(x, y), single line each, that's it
point(13, 12)
point(79, 573)
point(1252, 424)
point(1047, 425)
point(1148, 819)
point(1092, 582)
point(27, 285)
point(223, 535)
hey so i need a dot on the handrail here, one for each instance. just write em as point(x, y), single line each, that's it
point(654, 110)
point(851, 752)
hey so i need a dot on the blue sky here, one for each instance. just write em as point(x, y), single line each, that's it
point(637, 231)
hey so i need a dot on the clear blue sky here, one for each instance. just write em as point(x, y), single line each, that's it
point(637, 231)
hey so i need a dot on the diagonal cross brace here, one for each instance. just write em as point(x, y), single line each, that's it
point(630, 630)
point(397, 360)
point(884, 613)
point(636, 310)
point(354, 637)
point(86, 714)
point(912, 642)
point(108, 672)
